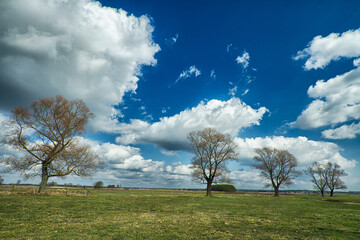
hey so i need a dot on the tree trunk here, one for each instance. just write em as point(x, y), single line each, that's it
point(208, 188)
point(331, 192)
point(44, 179)
point(322, 193)
point(276, 191)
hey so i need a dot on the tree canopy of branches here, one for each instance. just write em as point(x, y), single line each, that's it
point(47, 133)
point(277, 166)
point(326, 176)
point(212, 149)
point(318, 174)
point(334, 172)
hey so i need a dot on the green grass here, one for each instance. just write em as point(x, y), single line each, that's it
point(155, 214)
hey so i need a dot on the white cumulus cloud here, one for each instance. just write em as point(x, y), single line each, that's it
point(244, 59)
point(345, 131)
point(356, 62)
point(171, 132)
point(336, 101)
point(85, 51)
point(322, 50)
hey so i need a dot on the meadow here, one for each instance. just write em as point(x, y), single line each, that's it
point(169, 214)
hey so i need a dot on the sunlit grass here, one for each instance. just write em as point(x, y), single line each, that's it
point(155, 214)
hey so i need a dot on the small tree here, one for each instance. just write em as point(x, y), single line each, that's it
point(277, 166)
point(224, 188)
point(212, 149)
point(47, 133)
point(99, 184)
point(318, 174)
point(333, 181)
point(1, 180)
point(52, 184)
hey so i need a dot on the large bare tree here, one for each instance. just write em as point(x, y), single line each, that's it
point(277, 166)
point(212, 149)
point(333, 181)
point(318, 174)
point(47, 133)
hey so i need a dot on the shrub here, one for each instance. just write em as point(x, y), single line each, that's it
point(223, 188)
point(52, 184)
point(99, 184)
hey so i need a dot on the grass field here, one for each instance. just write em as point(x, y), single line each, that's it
point(155, 214)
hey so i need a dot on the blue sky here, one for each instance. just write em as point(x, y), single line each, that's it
point(282, 74)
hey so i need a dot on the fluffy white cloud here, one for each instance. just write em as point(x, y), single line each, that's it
point(345, 131)
point(179, 168)
point(244, 59)
point(356, 62)
point(118, 157)
point(86, 51)
point(247, 179)
point(4, 149)
point(336, 101)
point(171, 132)
point(192, 71)
point(323, 50)
point(305, 150)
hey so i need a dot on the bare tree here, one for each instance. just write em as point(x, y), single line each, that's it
point(333, 181)
point(1, 180)
point(318, 174)
point(277, 166)
point(212, 149)
point(46, 132)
